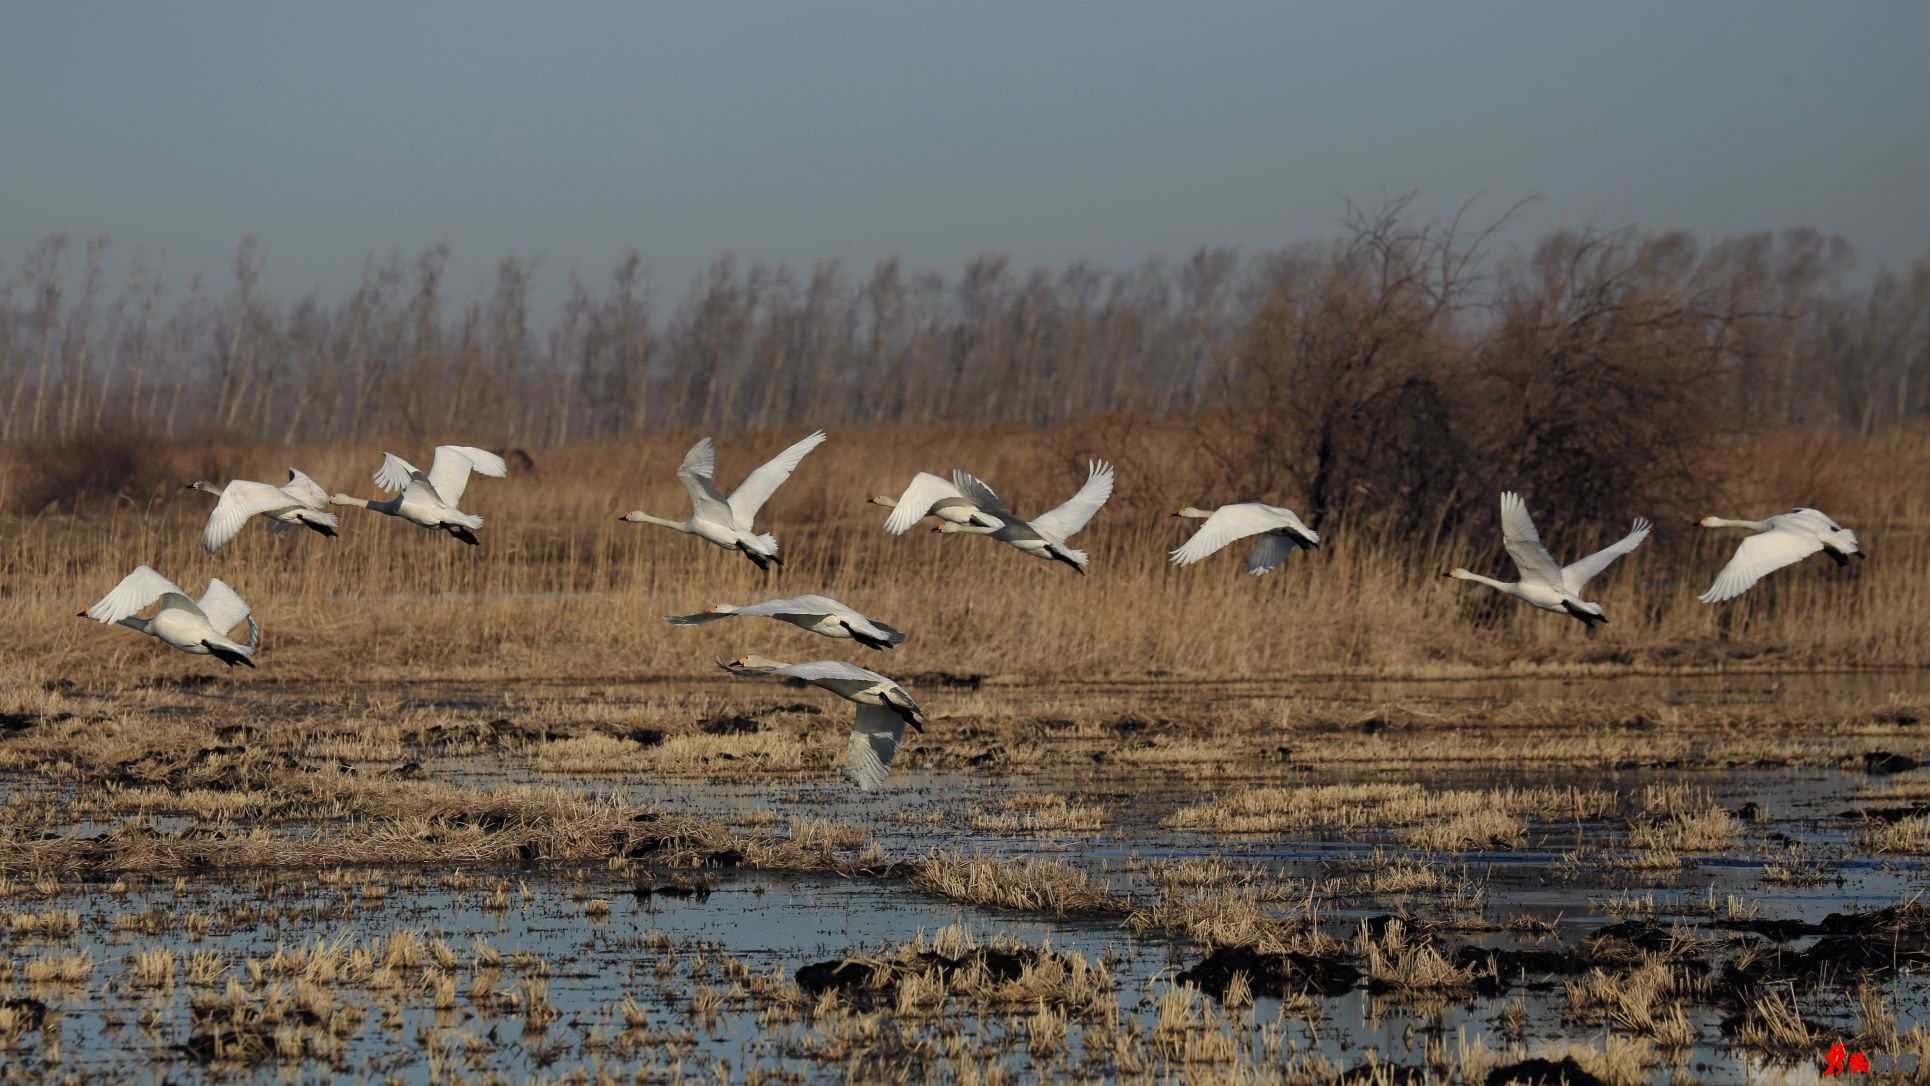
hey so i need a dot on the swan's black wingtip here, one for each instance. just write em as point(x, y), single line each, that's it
point(226, 655)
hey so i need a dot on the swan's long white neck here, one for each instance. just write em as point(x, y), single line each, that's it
point(140, 624)
point(1725, 522)
point(640, 517)
point(1510, 587)
point(389, 506)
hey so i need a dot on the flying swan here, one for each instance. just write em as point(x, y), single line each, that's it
point(883, 709)
point(723, 521)
point(1781, 540)
point(929, 495)
point(1045, 535)
point(429, 501)
point(195, 626)
point(1280, 531)
point(818, 614)
point(299, 501)
point(1544, 584)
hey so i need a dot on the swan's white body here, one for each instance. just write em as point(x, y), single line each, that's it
point(429, 500)
point(1280, 531)
point(1781, 540)
point(1045, 535)
point(929, 495)
point(883, 709)
point(727, 522)
point(298, 502)
point(190, 625)
point(1544, 584)
point(818, 614)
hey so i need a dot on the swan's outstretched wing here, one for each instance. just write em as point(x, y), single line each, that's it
point(1580, 572)
point(700, 617)
point(136, 590)
point(1758, 556)
point(1268, 552)
point(925, 491)
point(225, 609)
point(1826, 529)
point(1524, 544)
point(1063, 522)
point(395, 472)
point(759, 485)
point(795, 605)
point(1231, 522)
point(240, 500)
point(875, 736)
point(830, 671)
point(305, 490)
point(976, 492)
point(694, 473)
point(812, 605)
point(450, 472)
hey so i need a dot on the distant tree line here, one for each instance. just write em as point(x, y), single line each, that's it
point(1355, 372)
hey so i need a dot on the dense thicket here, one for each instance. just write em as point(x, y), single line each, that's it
point(1351, 375)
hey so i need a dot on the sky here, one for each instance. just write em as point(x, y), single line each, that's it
point(1050, 132)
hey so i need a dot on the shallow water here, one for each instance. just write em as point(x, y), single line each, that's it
point(110, 1026)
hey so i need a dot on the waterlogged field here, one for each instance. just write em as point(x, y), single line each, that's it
point(1685, 879)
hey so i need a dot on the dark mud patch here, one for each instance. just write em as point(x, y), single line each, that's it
point(15, 723)
point(1275, 975)
point(1537, 1071)
point(1884, 762)
point(877, 978)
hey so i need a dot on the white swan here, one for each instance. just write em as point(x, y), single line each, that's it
point(429, 501)
point(723, 521)
point(194, 626)
point(1543, 583)
point(883, 709)
point(1046, 534)
point(299, 501)
point(1781, 540)
point(1280, 531)
point(929, 495)
point(818, 614)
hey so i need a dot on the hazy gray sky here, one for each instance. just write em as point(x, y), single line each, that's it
point(1048, 131)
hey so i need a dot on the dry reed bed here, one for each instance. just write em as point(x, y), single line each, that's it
point(560, 588)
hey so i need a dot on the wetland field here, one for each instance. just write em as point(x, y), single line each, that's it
point(1658, 878)
point(480, 815)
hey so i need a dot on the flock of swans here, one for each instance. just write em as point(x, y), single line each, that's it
point(963, 504)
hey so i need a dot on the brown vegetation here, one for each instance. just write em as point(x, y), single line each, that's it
point(560, 588)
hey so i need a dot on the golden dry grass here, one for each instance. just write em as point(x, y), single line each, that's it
point(560, 588)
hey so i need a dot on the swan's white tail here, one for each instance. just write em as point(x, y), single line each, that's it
point(768, 542)
point(466, 520)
